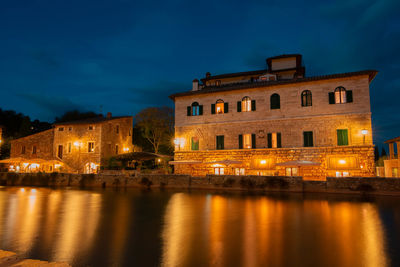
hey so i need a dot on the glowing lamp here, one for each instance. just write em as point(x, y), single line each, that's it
point(76, 143)
point(342, 161)
point(364, 132)
point(263, 161)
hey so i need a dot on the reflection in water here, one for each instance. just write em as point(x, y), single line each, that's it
point(100, 228)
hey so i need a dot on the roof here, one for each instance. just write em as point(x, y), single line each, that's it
point(228, 75)
point(92, 120)
point(239, 86)
point(31, 135)
point(393, 140)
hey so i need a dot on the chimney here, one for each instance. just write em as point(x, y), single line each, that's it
point(195, 85)
point(109, 115)
point(208, 75)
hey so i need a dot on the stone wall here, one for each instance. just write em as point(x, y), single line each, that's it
point(363, 156)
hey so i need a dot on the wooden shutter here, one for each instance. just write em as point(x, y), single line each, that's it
point(189, 110)
point(253, 140)
point(226, 107)
point(201, 110)
point(279, 140)
point(240, 141)
point(349, 96)
point(342, 137)
point(239, 106)
point(331, 98)
point(220, 142)
point(212, 108)
point(269, 140)
point(253, 105)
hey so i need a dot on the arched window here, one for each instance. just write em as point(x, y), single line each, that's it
point(275, 101)
point(306, 98)
point(195, 109)
point(340, 95)
point(219, 106)
point(246, 103)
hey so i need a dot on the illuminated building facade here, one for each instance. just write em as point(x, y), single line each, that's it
point(392, 164)
point(276, 121)
point(78, 146)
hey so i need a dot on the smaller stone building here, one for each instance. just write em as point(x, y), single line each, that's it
point(392, 164)
point(77, 146)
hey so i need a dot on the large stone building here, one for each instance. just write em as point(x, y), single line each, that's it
point(78, 146)
point(392, 164)
point(276, 121)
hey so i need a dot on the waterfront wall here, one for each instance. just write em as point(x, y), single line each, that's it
point(212, 182)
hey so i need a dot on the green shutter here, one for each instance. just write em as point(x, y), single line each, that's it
point(239, 106)
point(331, 98)
point(201, 110)
point(253, 141)
point(349, 96)
point(212, 108)
point(269, 140)
point(195, 145)
point(253, 105)
point(189, 110)
point(342, 137)
point(279, 141)
point(226, 107)
point(240, 141)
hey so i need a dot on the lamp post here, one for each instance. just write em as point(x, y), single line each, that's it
point(364, 133)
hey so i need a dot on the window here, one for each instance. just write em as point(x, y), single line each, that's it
point(274, 140)
point(342, 174)
point(220, 142)
point(69, 147)
point(130, 132)
point(117, 129)
point(195, 143)
point(246, 104)
point(60, 151)
point(308, 139)
point(219, 171)
point(239, 171)
point(219, 107)
point(306, 98)
point(70, 129)
point(340, 96)
point(218, 83)
point(91, 147)
point(90, 127)
point(116, 149)
point(292, 171)
point(23, 150)
point(247, 141)
point(195, 109)
point(275, 101)
point(395, 172)
point(60, 129)
point(342, 137)
point(34, 150)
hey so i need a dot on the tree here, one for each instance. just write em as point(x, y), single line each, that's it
point(383, 153)
point(376, 153)
point(157, 126)
point(75, 115)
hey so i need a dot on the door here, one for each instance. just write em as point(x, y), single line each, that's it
point(60, 151)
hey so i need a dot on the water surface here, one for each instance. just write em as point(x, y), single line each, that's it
point(171, 228)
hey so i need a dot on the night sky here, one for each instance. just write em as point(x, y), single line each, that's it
point(122, 56)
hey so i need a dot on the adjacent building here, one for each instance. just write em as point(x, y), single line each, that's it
point(77, 146)
point(276, 121)
point(392, 164)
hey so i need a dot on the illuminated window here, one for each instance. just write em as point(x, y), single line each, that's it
point(246, 104)
point(219, 106)
point(219, 171)
point(292, 171)
point(275, 101)
point(247, 141)
point(218, 83)
point(342, 174)
point(91, 147)
point(195, 143)
point(34, 150)
point(340, 95)
point(308, 139)
point(306, 98)
point(395, 172)
point(239, 171)
point(274, 140)
point(342, 137)
point(195, 109)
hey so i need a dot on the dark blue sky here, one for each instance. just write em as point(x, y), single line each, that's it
point(126, 55)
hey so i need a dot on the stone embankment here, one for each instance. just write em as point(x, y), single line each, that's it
point(8, 258)
point(389, 186)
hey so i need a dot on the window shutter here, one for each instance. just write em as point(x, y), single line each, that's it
point(226, 107)
point(239, 106)
point(349, 96)
point(201, 110)
point(222, 142)
point(253, 105)
point(269, 140)
point(189, 110)
point(279, 140)
point(331, 98)
point(305, 137)
point(212, 108)
point(240, 141)
point(253, 140)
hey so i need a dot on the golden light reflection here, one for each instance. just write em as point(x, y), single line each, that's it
point(218, 213)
